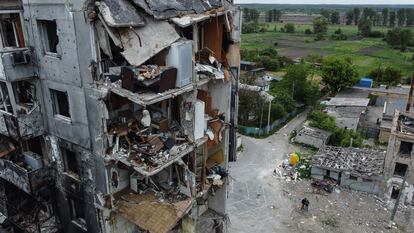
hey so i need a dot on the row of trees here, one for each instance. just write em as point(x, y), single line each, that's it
point(251, 15)
point(392, 18)
point(273, 15)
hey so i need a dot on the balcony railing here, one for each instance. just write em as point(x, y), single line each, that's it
point(27, 180)
point(23, 126)
point(16, 64)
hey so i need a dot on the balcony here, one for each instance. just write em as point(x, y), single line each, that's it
point(16, 65)
point(23, 126)
point(29, 175)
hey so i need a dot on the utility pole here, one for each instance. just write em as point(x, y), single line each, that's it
point(268, 116)
point(410, 95)
point(397, 201)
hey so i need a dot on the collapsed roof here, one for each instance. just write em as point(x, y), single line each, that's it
point(359, 162)
point(162, 9)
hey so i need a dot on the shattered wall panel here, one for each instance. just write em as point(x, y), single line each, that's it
point(120, 13)
point(140, 44)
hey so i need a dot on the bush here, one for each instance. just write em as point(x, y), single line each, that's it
point(338, 31)
point(413, 57)
point(339, 37)
point(389, 75)
point(270, 63)
point(376, 34)
point(289, 28)
point(252, 27)
point(275, 44)
point(322, 120)
point(319, 37)
point(308, 31)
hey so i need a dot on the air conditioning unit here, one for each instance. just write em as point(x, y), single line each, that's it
point(21, 57)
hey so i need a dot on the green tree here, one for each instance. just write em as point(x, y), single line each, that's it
point(392, 18)
point(322, 120)
point(338, 73)
point(401, 17)
point(384, 15)
point(390, 76)
point(357, 13)
point(335, 17)
point(399, 38)
point(320, 27)
point(349, 17)
point(269, 15)
point(410, 17)
point(301, 89)
point(325, 13)
point(290, 28)
point(364, 27)
point(277, 14)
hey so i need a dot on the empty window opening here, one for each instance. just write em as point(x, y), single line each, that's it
point(11, 31)
point(60, 103)
point(70, 162)
point(400, 169)
point(77, 211)
point(394, 193)
point(5, 104)
point(48, 30)
point(351, 177)
point(25, 94)
point(406, 148)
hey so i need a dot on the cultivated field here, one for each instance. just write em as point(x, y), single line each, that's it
point(366, 53)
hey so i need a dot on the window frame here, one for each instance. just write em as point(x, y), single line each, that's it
point(56, 108)
point(44, 37)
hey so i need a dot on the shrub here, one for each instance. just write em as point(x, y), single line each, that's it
point(339, 37)
point(338, 31)
point(275, 44)
point(376, 34)
point(290, 28)
point(319, 37)
point(322, 120)
point(308, 31)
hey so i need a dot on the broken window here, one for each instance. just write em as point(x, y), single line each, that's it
point(406, 148)
point(25, 94)
point(77, 210)
point(395, 192)
point(5, 104)
point(48, 31)
point(70, 162)
point(351, 177)
point(60, 103)
point(400, 169)
point(11, 31)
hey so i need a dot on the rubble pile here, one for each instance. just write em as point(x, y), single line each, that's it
point(147, 146)
point(406, 124)
point(355, 160)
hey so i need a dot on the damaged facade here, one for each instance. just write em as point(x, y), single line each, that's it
point(117, 115)
point(399, 159)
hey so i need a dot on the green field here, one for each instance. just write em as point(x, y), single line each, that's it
point(366, 53)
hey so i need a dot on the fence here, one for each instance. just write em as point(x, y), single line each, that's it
point(245, 130)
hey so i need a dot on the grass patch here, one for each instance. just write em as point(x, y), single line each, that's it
point(366, 53)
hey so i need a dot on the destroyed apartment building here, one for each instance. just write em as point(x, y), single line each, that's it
point(117, 115)
point(354, 168)
point(399, 159)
